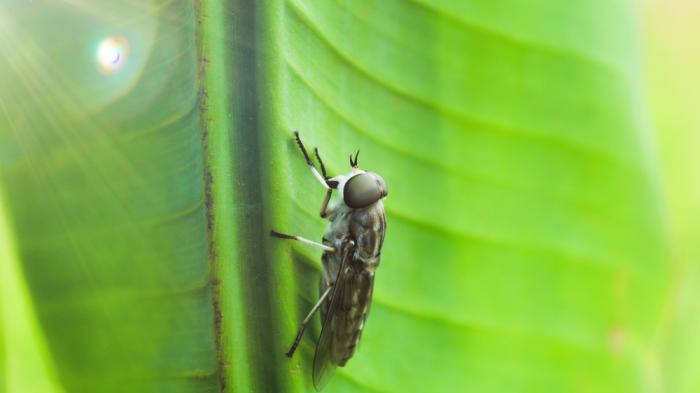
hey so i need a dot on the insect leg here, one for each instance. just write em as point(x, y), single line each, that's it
point(324, 205)
point(302, 240)
point(320, 162)
point(310, 163)
point(306, 320)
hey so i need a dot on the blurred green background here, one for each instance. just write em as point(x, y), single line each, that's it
point(543, 217)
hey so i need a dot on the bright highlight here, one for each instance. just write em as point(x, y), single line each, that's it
point(111, 54)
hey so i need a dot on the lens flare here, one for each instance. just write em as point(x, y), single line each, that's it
point(111, 54)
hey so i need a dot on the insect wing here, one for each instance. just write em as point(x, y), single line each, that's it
point(326, 357)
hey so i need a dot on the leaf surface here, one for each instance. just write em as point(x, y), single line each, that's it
point(525, 248)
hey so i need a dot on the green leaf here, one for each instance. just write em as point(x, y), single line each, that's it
point(673, 58)
point(525, 248)
point(26, 366)
point(103, 169)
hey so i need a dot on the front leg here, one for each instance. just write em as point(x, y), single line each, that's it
point(328, 183)
point(322, 179)
point(324, 205)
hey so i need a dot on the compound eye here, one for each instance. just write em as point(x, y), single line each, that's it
point(361, 191)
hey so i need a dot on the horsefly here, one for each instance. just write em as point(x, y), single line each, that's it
point(351, 252)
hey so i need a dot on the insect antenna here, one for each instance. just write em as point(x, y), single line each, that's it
point(353, 162)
